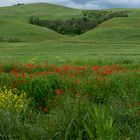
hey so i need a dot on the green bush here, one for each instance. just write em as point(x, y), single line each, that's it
point(77, 26)
point(96, 14)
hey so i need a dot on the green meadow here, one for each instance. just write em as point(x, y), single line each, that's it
point(65, 87)
point(116, 40)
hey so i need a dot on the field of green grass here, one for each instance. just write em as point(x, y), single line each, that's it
point(115, 40)
point(60, 87)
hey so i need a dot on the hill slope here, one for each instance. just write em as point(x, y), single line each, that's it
point(117, 30)
point(14, 21)
point(116, 39)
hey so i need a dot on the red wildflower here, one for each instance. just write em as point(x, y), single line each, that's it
point(57, 70)
point(23, 75)
point(95, 68)
point(59, 91)
point(45, 109)
point(104, 79)
point(32, 75)
point(17, 75)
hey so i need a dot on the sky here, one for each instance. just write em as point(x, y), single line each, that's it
point(81, 4)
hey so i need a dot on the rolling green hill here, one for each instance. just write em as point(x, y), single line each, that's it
point(116, 39)
point(117, 30)
point(14, 21)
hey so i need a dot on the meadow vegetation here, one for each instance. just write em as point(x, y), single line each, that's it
point(97, 102)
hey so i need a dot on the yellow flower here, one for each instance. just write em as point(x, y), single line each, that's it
point(12, 99)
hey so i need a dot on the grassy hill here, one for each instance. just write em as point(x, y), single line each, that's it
point(14, 21)
point(117, 30)
point(116, 39)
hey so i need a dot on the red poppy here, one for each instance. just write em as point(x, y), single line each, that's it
point(45, 109)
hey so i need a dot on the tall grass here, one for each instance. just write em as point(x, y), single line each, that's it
point(61, 107)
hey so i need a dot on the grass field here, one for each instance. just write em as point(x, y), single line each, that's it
point(114, 39)
point(61, 87)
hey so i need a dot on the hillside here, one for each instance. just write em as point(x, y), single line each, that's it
point(117, 30)
point(14, 21)
point(117, 36)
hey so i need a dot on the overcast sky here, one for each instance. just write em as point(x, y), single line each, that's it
point(84, 4)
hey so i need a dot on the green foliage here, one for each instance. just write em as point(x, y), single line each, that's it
point(74, 26)
point(94, 108)
point(116, 14)
point(14, 110)
point(77, 26)
point(34, 20)
point(19, 4)
point(11, 40)
point(99, 124)
point(96, 14)
point(15, 40)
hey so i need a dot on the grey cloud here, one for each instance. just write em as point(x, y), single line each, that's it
point(84, 4)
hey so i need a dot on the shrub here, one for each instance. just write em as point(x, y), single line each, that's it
point(95, 13)
point(14, 40)
point(2, 39)
point(19, 4)
point(77, 26)
point(116, 14)
point(34, 20)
